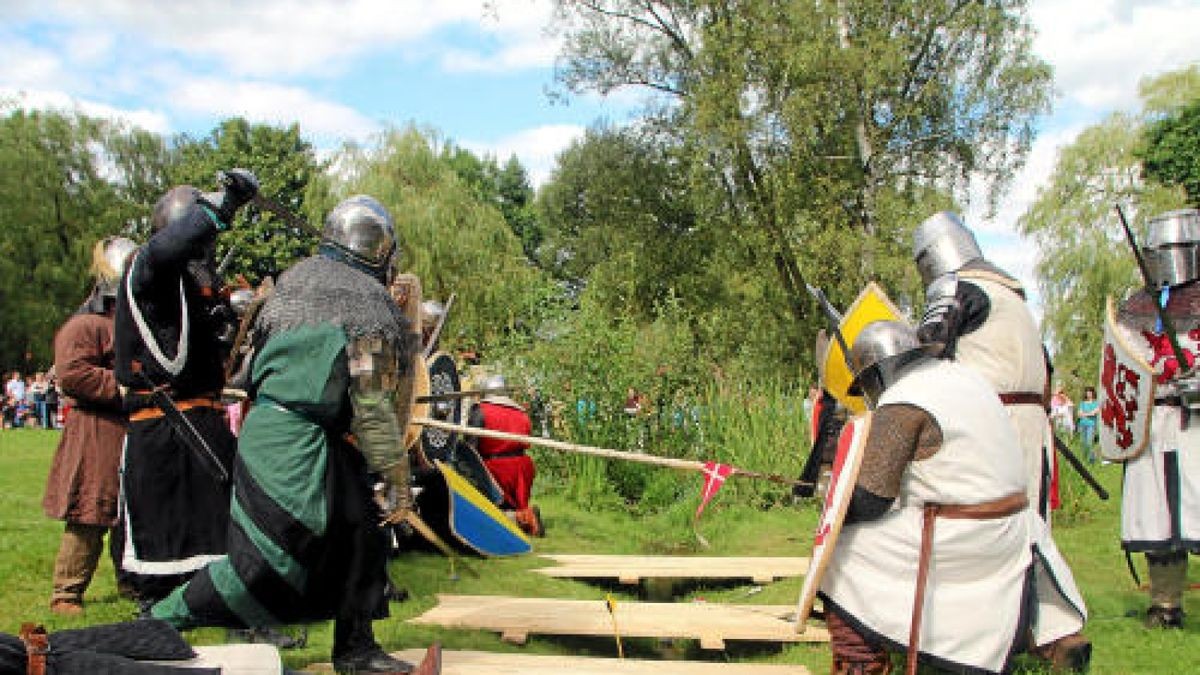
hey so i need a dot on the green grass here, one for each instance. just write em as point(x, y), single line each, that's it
point(1086, 532)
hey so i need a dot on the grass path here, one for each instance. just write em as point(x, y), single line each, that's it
point(1086, 532)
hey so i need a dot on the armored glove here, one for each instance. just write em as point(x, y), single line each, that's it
point(239, 186)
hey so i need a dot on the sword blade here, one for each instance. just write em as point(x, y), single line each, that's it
point(270, 205)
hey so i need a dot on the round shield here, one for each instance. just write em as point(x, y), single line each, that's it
point(443, 379)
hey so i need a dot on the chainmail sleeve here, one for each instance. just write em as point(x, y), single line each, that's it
point(900, 434)
point(380, 397)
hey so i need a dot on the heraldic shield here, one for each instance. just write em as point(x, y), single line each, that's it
point(871, 305)
point(1126, 394)
point(851, 446)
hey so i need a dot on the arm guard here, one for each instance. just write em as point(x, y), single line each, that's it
point(381, 400)
point(952, 309)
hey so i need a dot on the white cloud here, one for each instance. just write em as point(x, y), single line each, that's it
point(1101, 48)
point(24, 65)
point(272, 104)
point(284, 37)
point(89, 46)
point(150, 120)
point(536, 148)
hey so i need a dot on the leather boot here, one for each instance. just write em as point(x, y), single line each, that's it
point(1069, 654)
point(356, 651)
point(1160, 616)
point(1168, 579)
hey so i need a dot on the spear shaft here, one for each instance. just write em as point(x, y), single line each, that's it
point(608, 453)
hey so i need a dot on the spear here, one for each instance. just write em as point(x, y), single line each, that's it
point(608, 453)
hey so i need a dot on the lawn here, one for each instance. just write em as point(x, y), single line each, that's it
point(1086, 531)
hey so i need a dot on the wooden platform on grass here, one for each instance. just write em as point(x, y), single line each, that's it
point(485, 663)
point(631, 569)
point(710, 623)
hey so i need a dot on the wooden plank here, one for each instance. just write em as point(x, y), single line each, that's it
point(711, 623)
point(630, 569)
point(486, 663)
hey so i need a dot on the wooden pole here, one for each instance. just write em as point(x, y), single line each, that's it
point(625, 455)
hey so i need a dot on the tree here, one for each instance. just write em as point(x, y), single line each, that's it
point(1083, 257)
point(65, 182)
point(616, 209)
point(452, 239)
point(808, 121)
point(1171, 154)
point(262, 243)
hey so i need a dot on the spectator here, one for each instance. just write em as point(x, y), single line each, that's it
point(15, 387)
point(38, 393)
point(1062, 410)
point(1089, 409)
point(52, 400)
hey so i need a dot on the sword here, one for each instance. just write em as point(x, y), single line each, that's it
point(271, 206)
point(455, 395)
point(186, 430)
point(437, 330)
point(1165, 319)
point(835, 320)
point(1080, 469)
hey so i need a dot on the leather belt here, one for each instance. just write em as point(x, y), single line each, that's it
point(37, 646)
point(1022, 398)
point(1176, 401)
point(998, 508)
point(143, 414)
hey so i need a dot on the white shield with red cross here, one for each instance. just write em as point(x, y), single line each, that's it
point(1126, 394)
point(851, 446)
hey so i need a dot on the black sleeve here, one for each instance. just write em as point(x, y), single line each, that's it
point(971, 310)
point(171, 247)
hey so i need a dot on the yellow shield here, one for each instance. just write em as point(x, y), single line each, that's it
point(871, 305)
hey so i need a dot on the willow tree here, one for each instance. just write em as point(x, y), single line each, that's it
point(1083, 256)
point(454, 240)
point(821, 131)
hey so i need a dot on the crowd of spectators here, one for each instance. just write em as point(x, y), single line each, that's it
point(31, 402)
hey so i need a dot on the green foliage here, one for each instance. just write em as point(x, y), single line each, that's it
point(1171, 155)
point(813, 136)
point(66, 181)
point(507, 188)
point(285, 164)
point(452, 239)
point(1084, 257)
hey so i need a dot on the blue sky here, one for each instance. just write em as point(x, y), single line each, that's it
point(475, 70)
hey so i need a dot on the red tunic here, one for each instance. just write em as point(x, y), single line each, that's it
point(506, 460)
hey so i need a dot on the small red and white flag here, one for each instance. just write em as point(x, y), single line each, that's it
point(715, 474)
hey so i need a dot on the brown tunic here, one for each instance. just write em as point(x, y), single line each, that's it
point(84, 482)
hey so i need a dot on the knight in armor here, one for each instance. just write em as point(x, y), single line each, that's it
point(84, 483)
point(331, 382)
point(171, 331)
point(1160, 504)
point(977, 312)
point(941, 489)
point(508, 461)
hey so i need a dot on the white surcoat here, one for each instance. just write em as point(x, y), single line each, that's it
point(1172, 455)
point(1007, 351)
point(978, 568)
